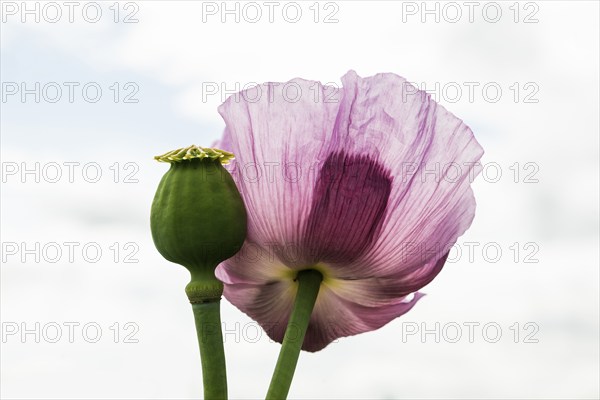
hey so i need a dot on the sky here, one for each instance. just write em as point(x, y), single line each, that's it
point(91, 91)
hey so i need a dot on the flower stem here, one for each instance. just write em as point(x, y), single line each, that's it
point(210, 338)
point(309, 282)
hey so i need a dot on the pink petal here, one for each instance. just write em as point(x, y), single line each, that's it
point(384, 291)
point(282, 131)
point(251, 265)
point(386, 119)
point(349, 203)
point(270, 304)
point(335, 317)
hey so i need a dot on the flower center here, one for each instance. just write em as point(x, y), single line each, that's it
point(326, 273)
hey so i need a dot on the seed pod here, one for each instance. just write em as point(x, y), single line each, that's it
point(198, 217)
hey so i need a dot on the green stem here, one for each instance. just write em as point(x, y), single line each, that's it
point(204, 292)
point(210, 338)
point(309, 282)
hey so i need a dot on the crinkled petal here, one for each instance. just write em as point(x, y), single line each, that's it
point(268, 304)
point(278, 133)
point(253, 264)
point(387, 119)
point(385, 291)
point(349, 203)
point(335, 317)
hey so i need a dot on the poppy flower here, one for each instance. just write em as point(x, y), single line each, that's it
point(368, 183)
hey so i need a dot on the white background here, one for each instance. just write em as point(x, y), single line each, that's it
point(550, 209)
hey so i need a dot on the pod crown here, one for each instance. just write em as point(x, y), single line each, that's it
point(193, 151)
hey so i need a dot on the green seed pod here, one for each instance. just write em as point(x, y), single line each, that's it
point(198, 217)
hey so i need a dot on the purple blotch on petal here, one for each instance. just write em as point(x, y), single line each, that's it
point(349, 203)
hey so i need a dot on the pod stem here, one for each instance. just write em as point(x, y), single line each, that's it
point(309, 282)
point(204, 292)
point(210, 338)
